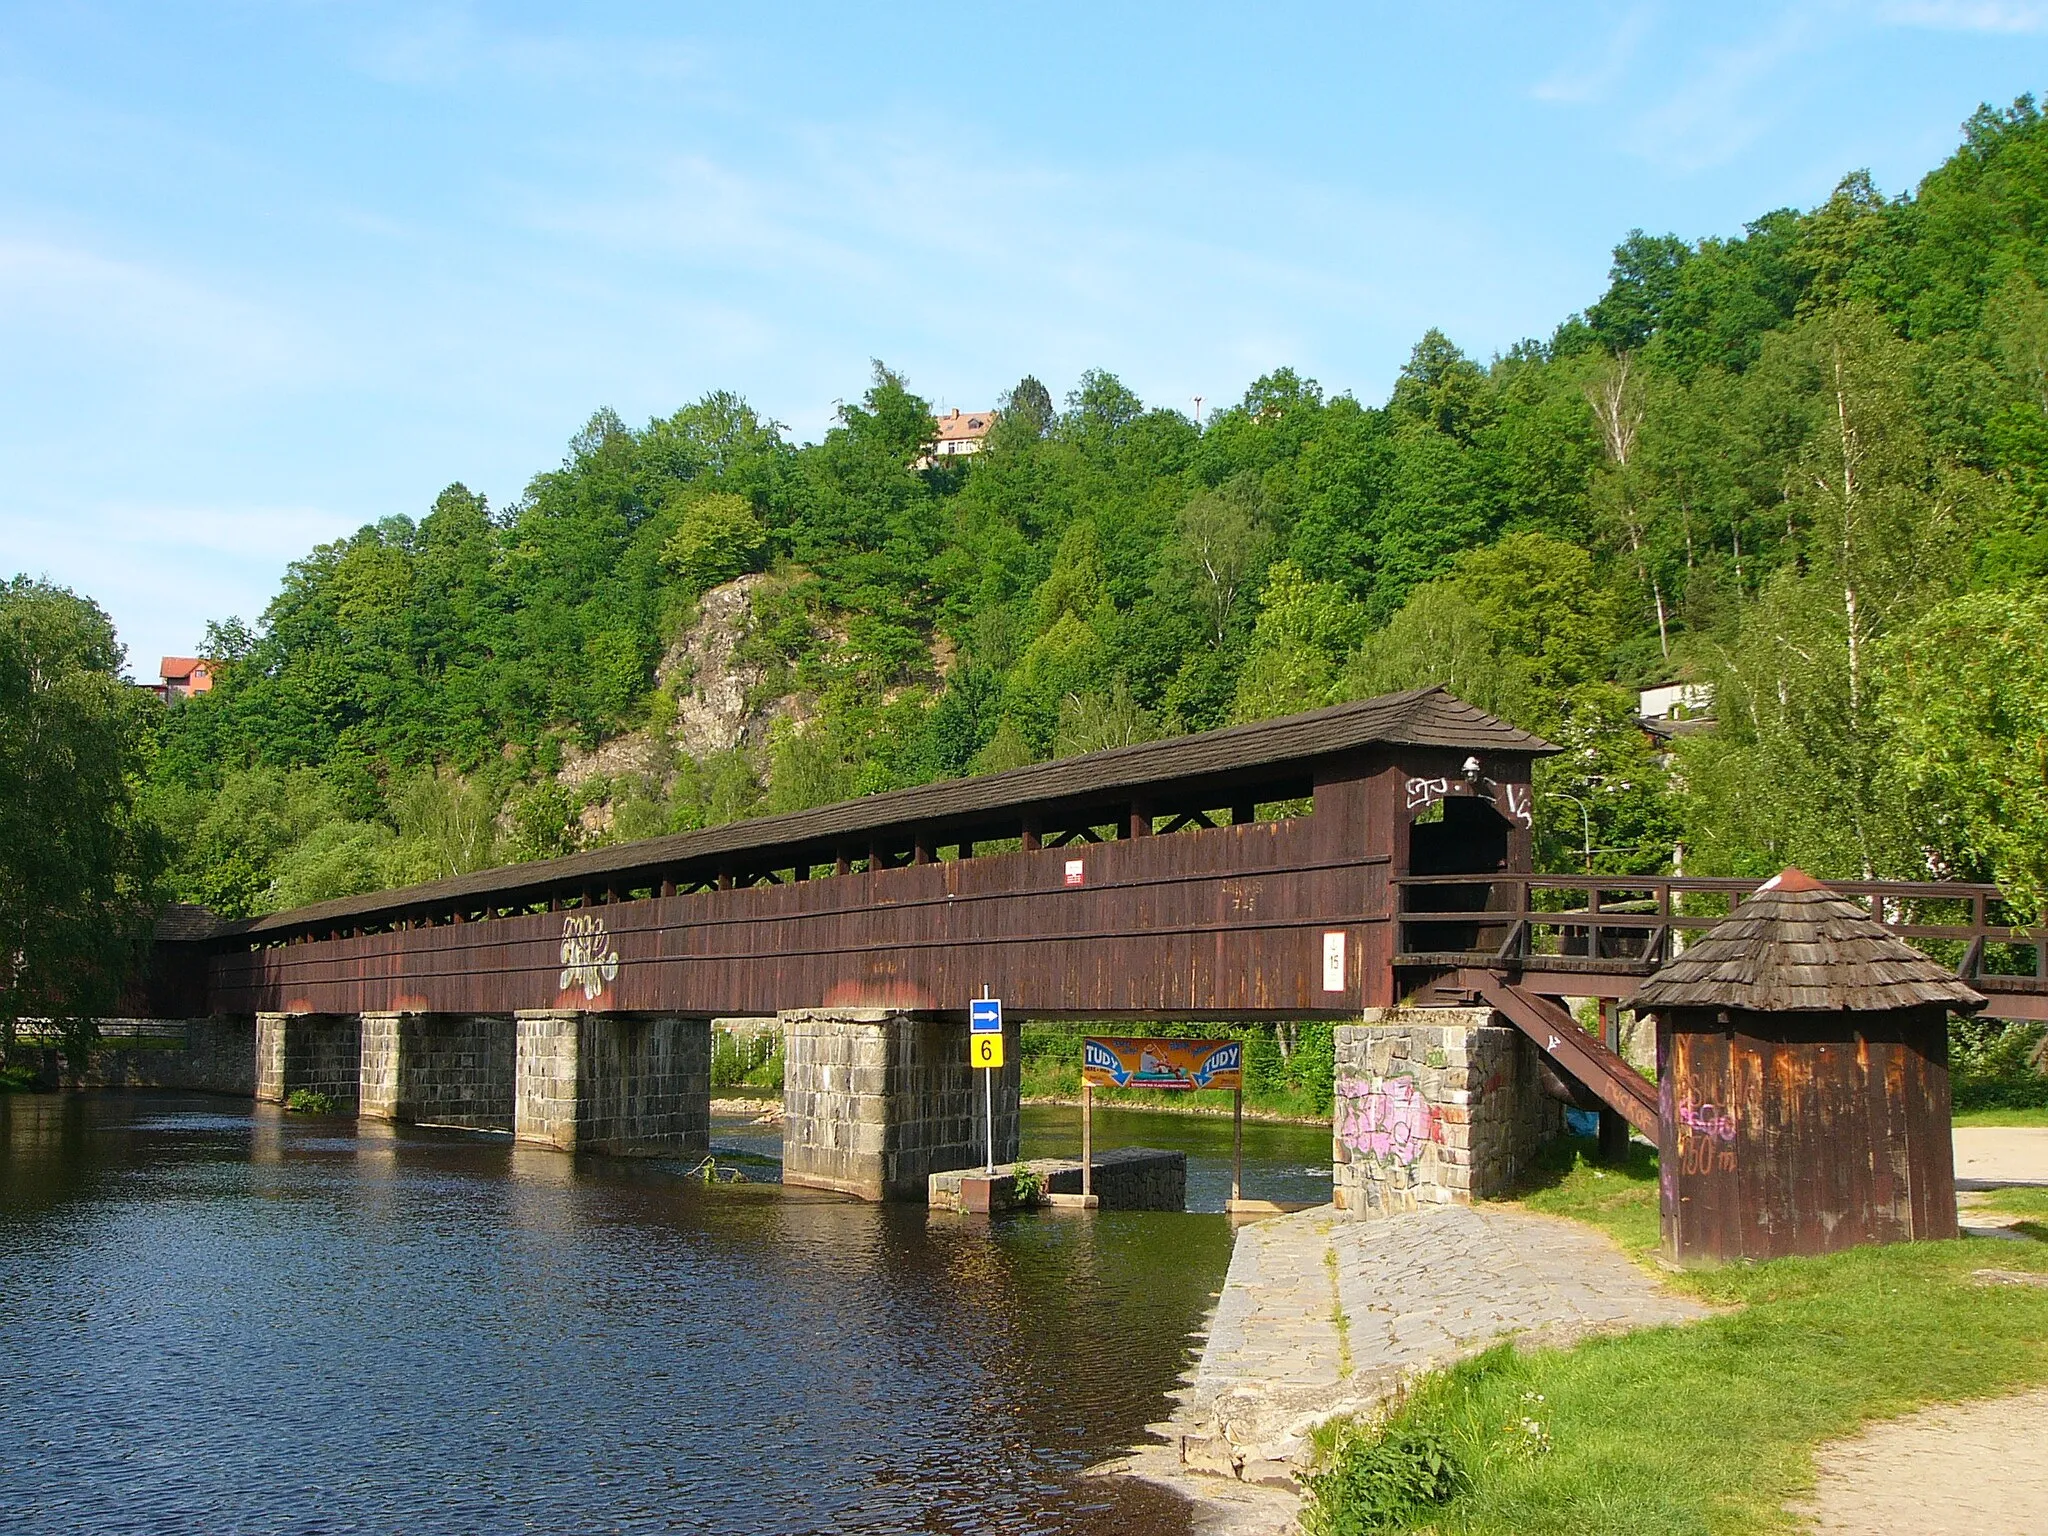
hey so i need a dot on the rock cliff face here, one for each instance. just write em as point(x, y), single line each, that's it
point(712, 688)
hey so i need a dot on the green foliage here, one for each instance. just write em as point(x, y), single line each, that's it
point(1389, 1474)
point(718, 536)
point(1806, 464)
point(1994, 1064)
point(1966, 718)
point(79, 868)
point(745, 1061)
point(310, 1101)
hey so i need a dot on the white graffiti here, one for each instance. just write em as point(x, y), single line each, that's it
point(1422, 792)
point(588, 960)
point(1518, 805)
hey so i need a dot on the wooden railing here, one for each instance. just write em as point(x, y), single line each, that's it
point(1631, 924)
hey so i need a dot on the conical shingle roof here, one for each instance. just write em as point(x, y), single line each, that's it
point(1797, 947)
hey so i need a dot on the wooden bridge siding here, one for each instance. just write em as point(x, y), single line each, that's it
point(1222, 921)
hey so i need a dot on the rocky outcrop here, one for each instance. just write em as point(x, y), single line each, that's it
point(711, 689)
point(715, 693)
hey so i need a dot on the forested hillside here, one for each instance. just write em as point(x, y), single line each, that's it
point(1807, 463)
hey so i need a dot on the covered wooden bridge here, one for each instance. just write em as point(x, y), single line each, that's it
point(1309, 867)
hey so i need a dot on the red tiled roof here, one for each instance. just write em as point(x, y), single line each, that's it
point(965, 426)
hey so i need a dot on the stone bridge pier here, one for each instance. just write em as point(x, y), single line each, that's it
point(316, 1052)
point(619, 1083)
point(876, 1100)
point(1435, 1106)
point(438, 1069)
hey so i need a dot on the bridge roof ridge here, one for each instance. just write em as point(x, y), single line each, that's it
point(1425, 717)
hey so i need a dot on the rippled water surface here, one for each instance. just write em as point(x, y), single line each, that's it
point(223, 1319)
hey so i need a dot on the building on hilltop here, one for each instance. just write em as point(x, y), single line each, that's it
point(182, 676)
point(961, 432)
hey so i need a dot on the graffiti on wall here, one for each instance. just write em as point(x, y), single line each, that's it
point(1706, 1136)
point(1511, 800)
point(1385, 1118)
point(1423, 792)
point(588, 959)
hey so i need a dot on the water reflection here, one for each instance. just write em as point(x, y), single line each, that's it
point(224, 1318)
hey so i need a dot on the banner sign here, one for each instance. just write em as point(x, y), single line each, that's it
point(1109, 1063)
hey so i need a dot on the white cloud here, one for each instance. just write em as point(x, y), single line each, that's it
point(1718, 111)
point(1593, 76)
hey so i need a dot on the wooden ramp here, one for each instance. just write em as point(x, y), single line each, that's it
point(1575, 1052)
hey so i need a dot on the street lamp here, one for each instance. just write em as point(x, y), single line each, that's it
point(1585, 817)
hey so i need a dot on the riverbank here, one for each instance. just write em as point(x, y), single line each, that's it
point(1324, 1318)
point(1567, 1380)
point(1604, 1439)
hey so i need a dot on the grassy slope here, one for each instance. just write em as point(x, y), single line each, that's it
point(1711, 1427)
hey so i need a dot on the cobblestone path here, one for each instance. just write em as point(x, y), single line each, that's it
point(1322, 1314)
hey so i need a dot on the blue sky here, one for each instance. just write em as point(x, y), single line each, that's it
point(271, 271)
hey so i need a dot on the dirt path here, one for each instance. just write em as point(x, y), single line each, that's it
point(1990, 1155)
point(1964, 1469)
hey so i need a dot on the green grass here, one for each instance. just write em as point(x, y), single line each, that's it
point(1710, 1427)
point(2030, 1202)
point(2001, 1117)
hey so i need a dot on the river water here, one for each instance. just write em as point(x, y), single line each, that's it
point(219, 1318)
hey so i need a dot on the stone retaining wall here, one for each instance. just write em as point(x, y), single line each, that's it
point(1435, 1106)
point(1125, 1179)
point(204, 1055)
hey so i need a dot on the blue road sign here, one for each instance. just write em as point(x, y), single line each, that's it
point(985, 1015)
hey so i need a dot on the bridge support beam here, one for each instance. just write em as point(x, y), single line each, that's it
point(319, 1052)
point(438, 1069)
point(876, 1100)
point(625, 1084)
point(1435, 1106)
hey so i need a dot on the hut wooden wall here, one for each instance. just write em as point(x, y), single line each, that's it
point(1803, 1133)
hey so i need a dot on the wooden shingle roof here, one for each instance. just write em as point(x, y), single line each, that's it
point(1797, 947)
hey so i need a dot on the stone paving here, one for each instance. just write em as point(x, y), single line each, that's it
point(1323, 1316)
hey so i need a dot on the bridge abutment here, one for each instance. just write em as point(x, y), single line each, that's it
point(317, 1052)
point(617, 1083)
point(438, 1069)
point(1435, 1106)
point(876, 1100)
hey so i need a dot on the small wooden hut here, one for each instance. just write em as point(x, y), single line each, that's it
point(1802, 1057)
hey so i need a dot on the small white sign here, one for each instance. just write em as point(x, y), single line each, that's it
point(1333, 962)
point(1077, 872)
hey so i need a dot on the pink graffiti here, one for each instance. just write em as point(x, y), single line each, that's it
point(1386, 1118)
point(1707, 1119)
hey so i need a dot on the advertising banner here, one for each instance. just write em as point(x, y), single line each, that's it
point(1115, 1063)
